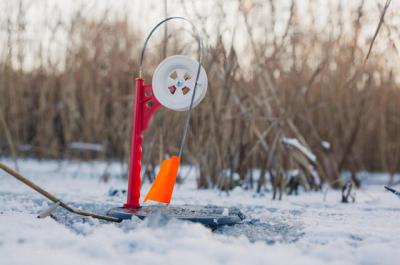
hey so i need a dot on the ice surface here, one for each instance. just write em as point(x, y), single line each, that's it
point(303, 229)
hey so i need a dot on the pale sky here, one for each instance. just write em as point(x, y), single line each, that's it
point(144, 14)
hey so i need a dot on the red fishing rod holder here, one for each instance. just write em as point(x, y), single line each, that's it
point(144, 106)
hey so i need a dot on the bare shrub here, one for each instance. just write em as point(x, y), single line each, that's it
point(302, 83)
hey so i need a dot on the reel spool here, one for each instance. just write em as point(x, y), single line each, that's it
point(174, 81)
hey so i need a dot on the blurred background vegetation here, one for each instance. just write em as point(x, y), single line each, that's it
point(279, 72)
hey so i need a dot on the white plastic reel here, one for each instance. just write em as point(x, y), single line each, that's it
point(173, 82)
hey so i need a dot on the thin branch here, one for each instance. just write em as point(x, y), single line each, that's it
point(378, 28)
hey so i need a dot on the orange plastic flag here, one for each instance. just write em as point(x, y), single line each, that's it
point(163, 185)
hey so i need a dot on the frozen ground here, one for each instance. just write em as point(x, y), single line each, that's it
point(302, 229)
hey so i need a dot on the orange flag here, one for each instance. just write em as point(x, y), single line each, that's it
point(163, 185)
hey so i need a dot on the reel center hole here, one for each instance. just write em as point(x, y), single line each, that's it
point(179, 83)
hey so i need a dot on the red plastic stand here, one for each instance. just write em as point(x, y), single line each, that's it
point(145, 104)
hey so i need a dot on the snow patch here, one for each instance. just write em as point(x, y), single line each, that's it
point(296, 144)
point(303, 229)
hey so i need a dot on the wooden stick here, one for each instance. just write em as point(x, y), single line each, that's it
point(53, 198)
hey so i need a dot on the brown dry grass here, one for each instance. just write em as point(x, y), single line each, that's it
point(304, 84)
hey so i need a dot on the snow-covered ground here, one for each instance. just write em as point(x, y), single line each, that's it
point(313, 228)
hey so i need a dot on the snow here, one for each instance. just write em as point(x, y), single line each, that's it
point(296, 144)
point(87, 146)
point(326, 145)
point(303, 229)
